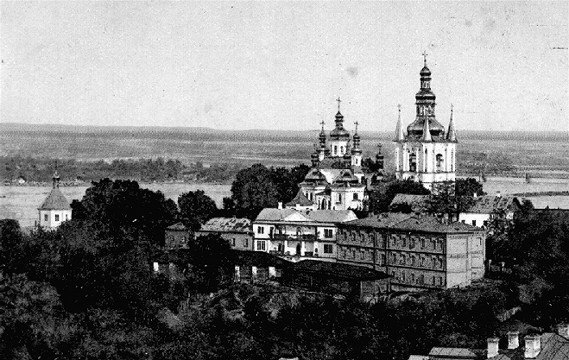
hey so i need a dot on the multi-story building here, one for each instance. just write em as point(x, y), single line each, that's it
point(425, 153)
point(55, 208)
point(299, 235)
point(418, 252)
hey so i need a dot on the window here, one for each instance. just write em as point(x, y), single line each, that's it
point(382, 259)
point(412, 162)
point(439, 160)
point(335, 149)
point(440, 280)
point(45, 217)
point(404, 242)
point(361, 255)
point(328, 233)
point(246, 242)
point(341, 150)
point(412, 278)
point(339, 198)
point(473, 222)
point(66, 216)
point(260, 230)
point(233, 242)
point(422, 243)
point(56, 217)
point(433, 280)
point(260, 246)
point(355, 196)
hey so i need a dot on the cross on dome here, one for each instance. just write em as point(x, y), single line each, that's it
point(425, 57)
point(339, 101)
point(356, 123)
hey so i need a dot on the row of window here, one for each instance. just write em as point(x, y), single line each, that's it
point(412, 279)
point(46, 217)
point(395, 259)
point(395, 241)
point(328, 248)
point(245, 242)
point(328, 233)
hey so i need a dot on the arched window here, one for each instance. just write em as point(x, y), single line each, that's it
point(335, 149)
point(355, 196)
point(340, 198)
point(440, 162)
point(341, 150)
point(412, 162)
point(425, 162)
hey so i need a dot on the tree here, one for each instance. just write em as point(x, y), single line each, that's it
point(379, 200)
point(11, 242)
point(196, 208)
point(253, 189)
point(123, 203)
point(210, 263)
point(453, 198)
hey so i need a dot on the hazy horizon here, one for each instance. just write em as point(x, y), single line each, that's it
point(280, 66)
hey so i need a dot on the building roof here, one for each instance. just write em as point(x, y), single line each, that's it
point(318, 216)
point(177, 226)
point(489, 203)
point(257, 258)
point(232, 225)
point(553, 347)
point(338, 270)
point(300, 199)
point(55, 201)
point(416, 203)
point(408, 222)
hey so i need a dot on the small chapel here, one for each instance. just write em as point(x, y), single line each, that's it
point(337, 180)
point(425, 152)
point(55, 208)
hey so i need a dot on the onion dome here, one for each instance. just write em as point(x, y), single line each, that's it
point(425, 71)
point(322, 136)
point(339, 132)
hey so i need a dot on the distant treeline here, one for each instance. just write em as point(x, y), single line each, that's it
point(40, 170)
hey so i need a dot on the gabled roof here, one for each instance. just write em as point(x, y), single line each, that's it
point(454, 353)
point(272, 214)
point(55, 201)
point(220, 224)
point(409, 222)
point(300, 199)
point(417, 203)
point(177, 226)
point(489, 203)
point(319, 216)
point(333, 216)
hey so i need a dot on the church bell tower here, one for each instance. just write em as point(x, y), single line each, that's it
point(425, 152)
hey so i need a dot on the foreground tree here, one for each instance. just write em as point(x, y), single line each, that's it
point(123, 203)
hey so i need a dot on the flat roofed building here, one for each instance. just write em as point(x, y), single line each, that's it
point(418, 252)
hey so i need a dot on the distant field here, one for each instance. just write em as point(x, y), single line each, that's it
point(542, 154)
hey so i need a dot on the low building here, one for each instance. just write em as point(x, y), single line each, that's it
point(486, 206)
point(236, 231)
point(55, 208)
point(547, 346)
point(257, 267)
point(176, 236)
point(418, 251)
point(479, 214)
point(339, 279)
point(299, 235)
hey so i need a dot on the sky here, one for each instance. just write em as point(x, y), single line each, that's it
point(281, 65)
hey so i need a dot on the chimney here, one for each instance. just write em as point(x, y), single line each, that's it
point(475, 195)
point(280, 206)
point(533, 346)
point(513, 340)
point(563, 330)
point(493, 347)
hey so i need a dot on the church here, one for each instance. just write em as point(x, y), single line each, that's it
point(425, 153)
point(55, 208)
point(336, 180)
